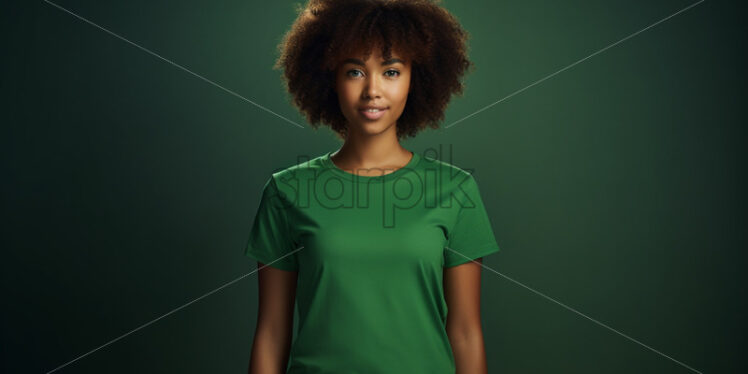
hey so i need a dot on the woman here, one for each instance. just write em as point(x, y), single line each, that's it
point(373, 242)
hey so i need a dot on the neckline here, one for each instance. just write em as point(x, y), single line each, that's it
point(414, 159)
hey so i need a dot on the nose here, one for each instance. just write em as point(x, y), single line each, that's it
point(371, 90)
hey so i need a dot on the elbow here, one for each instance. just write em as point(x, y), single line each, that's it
point(464, 333)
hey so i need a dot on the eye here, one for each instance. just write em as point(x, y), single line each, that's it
point(396, 73)
point(348, 73)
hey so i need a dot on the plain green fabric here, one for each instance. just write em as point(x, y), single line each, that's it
point(370, 253)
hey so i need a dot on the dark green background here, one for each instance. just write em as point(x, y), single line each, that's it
point(129, 185)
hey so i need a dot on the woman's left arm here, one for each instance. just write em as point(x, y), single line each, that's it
point(462, 293)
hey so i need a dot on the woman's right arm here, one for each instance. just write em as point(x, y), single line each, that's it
point(274, 331)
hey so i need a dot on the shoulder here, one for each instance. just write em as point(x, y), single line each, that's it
point(290, 181)
point(302, 168)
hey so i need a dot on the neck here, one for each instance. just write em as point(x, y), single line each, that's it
point(367, 151)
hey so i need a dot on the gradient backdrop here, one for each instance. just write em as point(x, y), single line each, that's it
point(130, 184)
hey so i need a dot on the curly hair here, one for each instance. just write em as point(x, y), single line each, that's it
point(326, 32)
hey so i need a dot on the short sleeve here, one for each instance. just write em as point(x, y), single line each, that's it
point(472, 236)
point(270, 240)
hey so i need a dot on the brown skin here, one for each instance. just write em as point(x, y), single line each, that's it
point(272, 340)
point(462, 292)
point(371, 148)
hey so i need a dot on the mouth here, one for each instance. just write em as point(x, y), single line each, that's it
point(372, 113)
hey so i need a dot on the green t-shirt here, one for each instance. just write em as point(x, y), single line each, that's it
point(370, 296)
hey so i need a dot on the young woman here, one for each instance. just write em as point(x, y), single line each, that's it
point(379, 247)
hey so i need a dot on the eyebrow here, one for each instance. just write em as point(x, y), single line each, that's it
point(359, 62)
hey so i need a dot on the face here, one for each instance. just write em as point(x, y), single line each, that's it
point(374, 83)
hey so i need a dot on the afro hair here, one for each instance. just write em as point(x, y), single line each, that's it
point(326, 32)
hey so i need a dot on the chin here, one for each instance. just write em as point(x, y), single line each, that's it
point(374, 128)
point(371, 128)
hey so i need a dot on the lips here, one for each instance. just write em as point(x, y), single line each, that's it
point(372, 112)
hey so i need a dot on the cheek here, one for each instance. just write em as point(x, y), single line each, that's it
point(400, 93)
